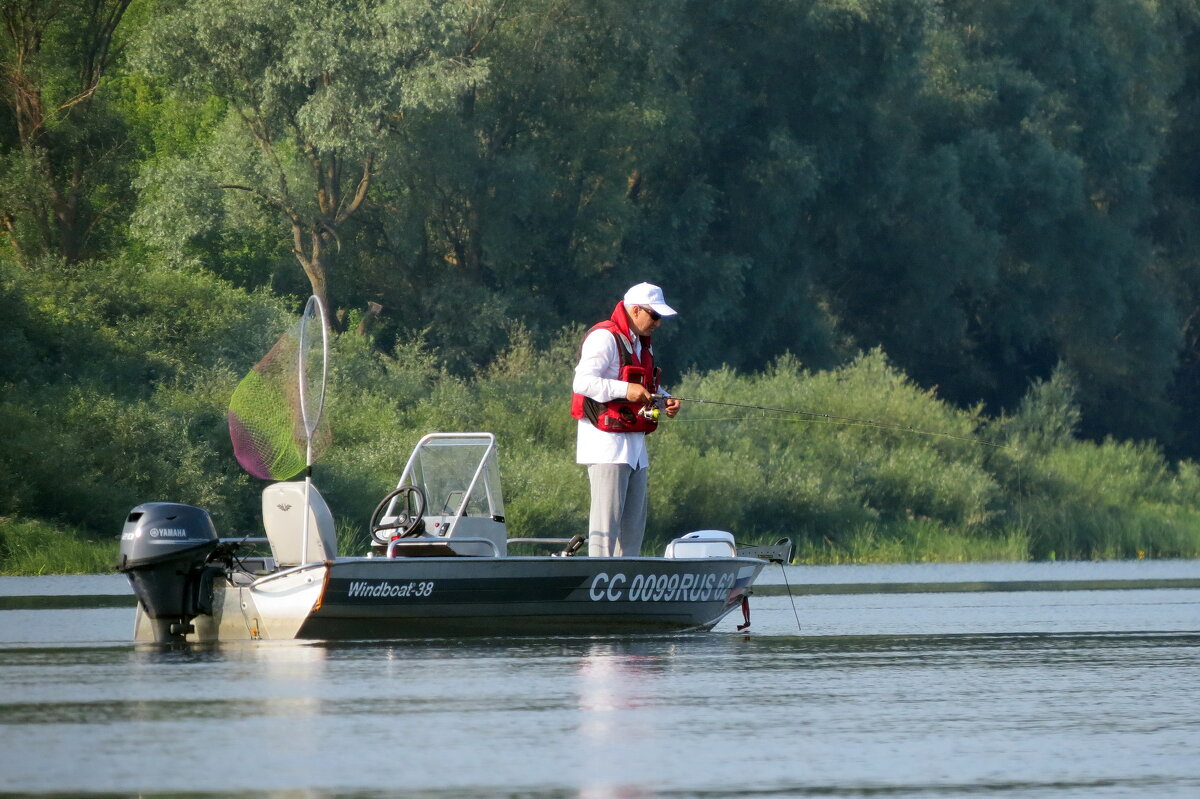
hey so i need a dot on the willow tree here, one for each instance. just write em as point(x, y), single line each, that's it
point(527, 200)
point(1177, 225)
point(315, 89)
point(57, 142)
point(965, 184)
point(1060, 113)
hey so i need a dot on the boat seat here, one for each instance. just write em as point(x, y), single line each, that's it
point(283, 520)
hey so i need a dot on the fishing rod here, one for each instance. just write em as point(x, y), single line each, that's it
point(828, 417)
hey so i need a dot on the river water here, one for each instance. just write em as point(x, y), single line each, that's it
point(1054, 680)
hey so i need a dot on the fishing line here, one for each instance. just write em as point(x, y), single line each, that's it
point(677, 420)
point(757, 418)
point(783, 571)
point(843, 420)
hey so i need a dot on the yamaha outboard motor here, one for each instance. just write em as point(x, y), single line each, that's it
point(164, 547)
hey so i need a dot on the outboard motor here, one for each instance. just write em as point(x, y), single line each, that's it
point(164, 547)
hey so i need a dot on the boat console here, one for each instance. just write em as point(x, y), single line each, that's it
point(451, 483)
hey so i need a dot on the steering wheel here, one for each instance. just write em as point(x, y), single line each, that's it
point(407, 521)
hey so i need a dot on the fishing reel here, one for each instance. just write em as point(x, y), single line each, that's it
point(650, 411)
point(656, 408)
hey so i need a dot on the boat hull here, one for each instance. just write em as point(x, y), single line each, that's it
point(456, 596)
point(373, 598)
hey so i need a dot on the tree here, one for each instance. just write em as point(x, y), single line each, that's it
point(315, 90)
point(1177, 223)
point(59, 142)
point(824, 195)
point(965, 184)
point(1060, 112)
point(530, 199)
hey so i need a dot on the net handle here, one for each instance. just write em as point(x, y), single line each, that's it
point(310, 422)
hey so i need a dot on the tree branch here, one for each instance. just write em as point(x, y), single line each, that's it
point(360, 192)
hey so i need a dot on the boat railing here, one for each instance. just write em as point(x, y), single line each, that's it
point(400, 543)
point(779, 552)
point(548, 541)
point(288, 572)
point(569, 545)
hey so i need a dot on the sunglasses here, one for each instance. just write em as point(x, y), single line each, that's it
point(655, 315)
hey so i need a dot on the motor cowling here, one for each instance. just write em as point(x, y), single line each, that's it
point(164, 550)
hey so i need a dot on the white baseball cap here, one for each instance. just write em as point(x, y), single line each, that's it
point(649, 296)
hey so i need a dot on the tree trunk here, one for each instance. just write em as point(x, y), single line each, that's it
point(313, 262)
point(63, 217)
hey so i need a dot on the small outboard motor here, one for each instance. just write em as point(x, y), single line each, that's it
point(164, 548)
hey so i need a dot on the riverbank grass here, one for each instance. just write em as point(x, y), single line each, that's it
point(915, 542)
point(34, 548)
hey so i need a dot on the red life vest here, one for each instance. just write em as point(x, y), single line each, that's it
point(621, 416)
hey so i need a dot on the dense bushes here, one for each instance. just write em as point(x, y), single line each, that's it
point(31, 547)
point(122, 401)
point(986, 192)
point(116, 390)
point(881, 469)
point(982, 189)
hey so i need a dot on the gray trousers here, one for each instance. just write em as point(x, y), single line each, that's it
point(617, 521)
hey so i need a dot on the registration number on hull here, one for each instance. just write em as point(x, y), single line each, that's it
point(685, 587)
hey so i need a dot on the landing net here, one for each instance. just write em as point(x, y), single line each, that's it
point(276, 418)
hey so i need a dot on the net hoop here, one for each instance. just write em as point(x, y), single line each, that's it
point(311, 420)
point(277, 412)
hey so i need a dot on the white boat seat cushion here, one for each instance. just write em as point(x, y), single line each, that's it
point(283, 520)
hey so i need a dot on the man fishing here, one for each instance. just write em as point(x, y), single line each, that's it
point(614, 387)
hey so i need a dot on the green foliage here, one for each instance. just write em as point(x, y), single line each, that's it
point(1108, 500)
point(870, 475)
point(1002, 196)
point(874, 468)
point(913, 542)
point(1047, 417)
point(118, 392)
point(820, 477)
point(844, 490)
point(30, 547)
point(66, 150)
point(984, 190)
point(314, 93)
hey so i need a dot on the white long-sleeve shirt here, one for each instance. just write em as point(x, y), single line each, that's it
point(596, 377)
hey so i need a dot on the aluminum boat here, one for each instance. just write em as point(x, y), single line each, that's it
point(441, 563)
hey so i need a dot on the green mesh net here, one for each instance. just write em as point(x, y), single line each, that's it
point(276, 419)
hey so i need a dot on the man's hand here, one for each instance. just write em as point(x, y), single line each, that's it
point(638, 393)
point(672, 407)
